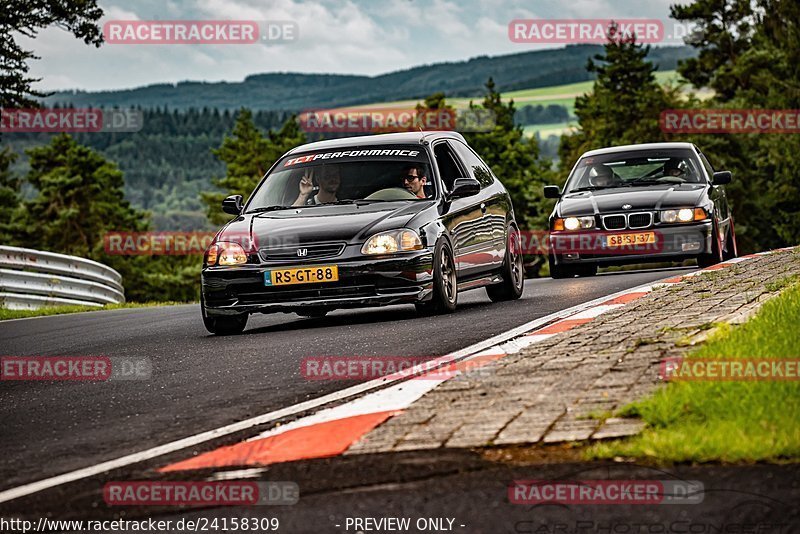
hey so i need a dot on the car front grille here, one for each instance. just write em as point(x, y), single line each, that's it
point(639, 220)
point(633, 221)
point(300, 252)
point(614, 222)
point(290, 294)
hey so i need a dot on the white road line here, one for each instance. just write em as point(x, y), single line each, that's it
point(190, 441)
point(597, 310)
point(391, 399)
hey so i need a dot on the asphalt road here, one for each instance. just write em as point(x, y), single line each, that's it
point(472, 491)
point(200, 382)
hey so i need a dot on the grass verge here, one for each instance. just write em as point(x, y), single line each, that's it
point(725, 421)
point(6, 314)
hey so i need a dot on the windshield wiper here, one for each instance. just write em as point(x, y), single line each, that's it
point(263, 209)
point(338, 202)
point(590, 188)
point(357, 202)
point(645, 182)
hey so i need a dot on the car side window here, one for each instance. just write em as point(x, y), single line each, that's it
point(707, 165)
point(477, 168)
point(448, 165)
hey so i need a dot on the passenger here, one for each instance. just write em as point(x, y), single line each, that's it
point(329, 181)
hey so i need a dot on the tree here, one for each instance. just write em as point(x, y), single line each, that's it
point(434, 101)
point(625, 103)
point(243, 154)
point(288, 137)
point(9, 199)
point(724, 29)
point(79, 198)
point(749, 54)
point(248, 155)
point(27, 17)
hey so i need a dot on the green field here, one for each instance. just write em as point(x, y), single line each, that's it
point(576, 89)
point(561, 95)
point(6, 314)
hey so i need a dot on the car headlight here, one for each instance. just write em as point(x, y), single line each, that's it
point(683, 215)
point(224, 253)
point(573, 223)
point(393, 241)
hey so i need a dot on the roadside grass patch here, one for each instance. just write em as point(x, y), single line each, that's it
point(6, 314)
point(725, 421)
point(781, 283)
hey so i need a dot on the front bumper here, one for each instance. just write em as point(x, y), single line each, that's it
point(379, 281)
point(673, 243)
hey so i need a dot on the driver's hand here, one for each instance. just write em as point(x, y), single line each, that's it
point(307, 183)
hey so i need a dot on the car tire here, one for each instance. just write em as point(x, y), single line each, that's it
point(313, 313)
point(225, 325)
point(715, 257)
point(587, 269)
point(559, 271)
point(445, 283)
point(513, 272)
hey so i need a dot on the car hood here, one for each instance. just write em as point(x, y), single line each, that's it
point(643, 198)
point(350, 223)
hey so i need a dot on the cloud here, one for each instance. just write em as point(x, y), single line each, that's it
point(335, 36)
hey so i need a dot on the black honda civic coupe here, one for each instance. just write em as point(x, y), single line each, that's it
point(640, 203)
point(364, 221)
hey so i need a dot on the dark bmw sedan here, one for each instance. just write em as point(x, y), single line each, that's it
point(640, 203)
point(364, 221)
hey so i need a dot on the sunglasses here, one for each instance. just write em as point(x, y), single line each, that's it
point(410, 178)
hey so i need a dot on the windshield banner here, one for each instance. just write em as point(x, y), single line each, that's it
point(391, 153)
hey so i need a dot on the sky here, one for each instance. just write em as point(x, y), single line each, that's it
point(334, 36)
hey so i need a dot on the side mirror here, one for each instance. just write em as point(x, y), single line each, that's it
point(721, 178)
point(552, 191)
point(232, 205)
point(465, 187)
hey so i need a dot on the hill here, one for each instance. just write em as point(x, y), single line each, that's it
point(292, 91)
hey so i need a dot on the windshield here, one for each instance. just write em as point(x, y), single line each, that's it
point(635, 168)
point(344, 176)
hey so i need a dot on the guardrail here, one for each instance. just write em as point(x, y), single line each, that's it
point(30, 279)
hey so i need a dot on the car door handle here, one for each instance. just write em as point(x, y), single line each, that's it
point(483, 207)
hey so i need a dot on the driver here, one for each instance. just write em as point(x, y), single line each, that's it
point(673, 168)
point(329, 181)
point(414, 180)
point(603, 178)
